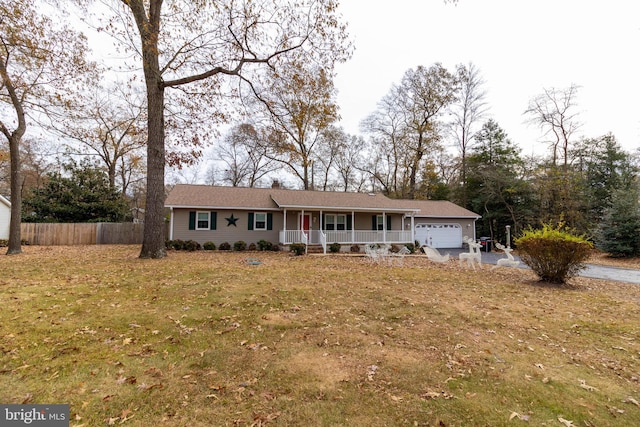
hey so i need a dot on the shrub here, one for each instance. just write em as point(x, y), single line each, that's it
point(176, 245)
point(182, 245)
point(553, 253)
point(252, 247)
point(209, 246)
point(334, 247)
point(411, 247)
point(355, 249)
point(263, 245)
point(191, 246)
point(240, 246)
point(297, 248)
point(224, 246)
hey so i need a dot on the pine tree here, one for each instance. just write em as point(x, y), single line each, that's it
point(619, 232)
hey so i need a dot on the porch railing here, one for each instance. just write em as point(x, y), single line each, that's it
point(344, 237)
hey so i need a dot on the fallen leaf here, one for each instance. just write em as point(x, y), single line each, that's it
point(126, 380)
point(585, 386)
point(566, 423)
point(630, 399)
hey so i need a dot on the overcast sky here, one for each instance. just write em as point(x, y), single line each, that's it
point(520, 48)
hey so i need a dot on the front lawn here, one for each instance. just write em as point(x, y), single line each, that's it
point(227, 338)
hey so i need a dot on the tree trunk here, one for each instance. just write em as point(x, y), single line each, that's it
point(153, 238)
point(15, 238)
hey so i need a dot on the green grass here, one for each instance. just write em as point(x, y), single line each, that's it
point(201, 339)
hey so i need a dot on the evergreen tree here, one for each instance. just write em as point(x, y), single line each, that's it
point(83, 195)
point(619, 231)
point(496, 188)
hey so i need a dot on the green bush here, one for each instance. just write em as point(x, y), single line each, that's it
point(263, 245)
point(209, 246)
point(182, 245)
point(355, 249)
point(240, 246)
point(553, 253)
point(297, 248)
point(334, 247)
point(224, 246)
point(191, 246)
point(411, 247)
point(252, 247)
point(176, 245)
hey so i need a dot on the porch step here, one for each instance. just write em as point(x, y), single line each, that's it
point(315, 249)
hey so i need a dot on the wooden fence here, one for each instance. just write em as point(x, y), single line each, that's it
point(101, 233)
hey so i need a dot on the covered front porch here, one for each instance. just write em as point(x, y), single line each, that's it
point(327, 227)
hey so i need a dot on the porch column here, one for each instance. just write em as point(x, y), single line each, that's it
point(353, 227)
point(171, 224)
point(384, 227)
point(413, 229)
point(284, 227)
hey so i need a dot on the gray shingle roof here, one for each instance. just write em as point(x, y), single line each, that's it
point(207, 196)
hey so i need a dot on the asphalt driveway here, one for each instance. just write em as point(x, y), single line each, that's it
point(592, 270)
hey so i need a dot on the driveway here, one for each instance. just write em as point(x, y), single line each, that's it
point(592, 270)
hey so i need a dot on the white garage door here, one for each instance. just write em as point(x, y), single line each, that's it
point(439, 235)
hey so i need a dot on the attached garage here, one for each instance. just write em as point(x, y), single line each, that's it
point(439, 235)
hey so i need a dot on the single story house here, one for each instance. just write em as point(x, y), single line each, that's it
point(229, 214)
point(5, 218)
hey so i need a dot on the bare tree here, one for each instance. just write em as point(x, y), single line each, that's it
point(386, 127)
point(469, 109)
point(350, 164)
point(299, 107)
point(554, 111)
point(194, 45)
point(37, 57)
point(408, 126)
point(109, 125)
point(242, 155)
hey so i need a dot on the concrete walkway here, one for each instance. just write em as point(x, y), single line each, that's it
point(593, 271)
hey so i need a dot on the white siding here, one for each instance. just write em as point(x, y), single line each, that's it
point(5, 217)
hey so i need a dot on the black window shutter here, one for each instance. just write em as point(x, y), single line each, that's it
point(214, 220)
point(388, 223)
point(269, 221)
point(349, 222)
point(192, 220)
point(374, 222)
point(250, 224)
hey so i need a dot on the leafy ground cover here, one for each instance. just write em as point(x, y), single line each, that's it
point(224, 338)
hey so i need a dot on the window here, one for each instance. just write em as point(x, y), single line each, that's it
point(202, 220)
point(335, 222)
point(260, 221)
point(380, 222)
